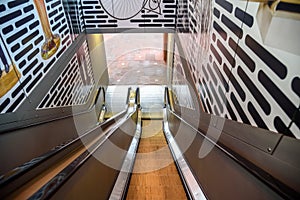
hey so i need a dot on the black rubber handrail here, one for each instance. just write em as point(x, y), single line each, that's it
point(128, 95)
point(166, 97)
point(137, 97)
point(101, 90)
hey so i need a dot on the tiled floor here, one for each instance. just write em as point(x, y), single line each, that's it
point(135, 59)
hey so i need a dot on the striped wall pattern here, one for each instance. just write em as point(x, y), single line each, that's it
point(119, 14)
point(74, 85)
point(240, 77)
point(23, 37)
point(180, 85)
point(182, 21)
point(74, 15)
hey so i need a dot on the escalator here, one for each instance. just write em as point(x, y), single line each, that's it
point(100, 171)
point(98, 174)
point(223, 171)
point(140, 154)
point(43, 176)
point(152, 170)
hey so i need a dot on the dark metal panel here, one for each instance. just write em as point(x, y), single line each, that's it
point(36, 140)
point(278, 173)
point(219, 173)
point(223, 178)
point(196, 118)
point(288, 151)
point(94, 180)
point(204, 122)
point(262, 139)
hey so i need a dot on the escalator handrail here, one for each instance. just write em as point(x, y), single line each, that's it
point(137, 97)
point(104, 94)
point(122, 183)
point(100, 91)
point(128, 96)
point(20, 170)
point(30, 165)
point(56, 182)
point(166, 97)
point(190, 183)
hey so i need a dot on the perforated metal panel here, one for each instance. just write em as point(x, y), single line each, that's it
point(74, 85)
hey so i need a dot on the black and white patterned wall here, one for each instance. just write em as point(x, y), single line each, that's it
point(243, 69)
point(23, 34)
point(74, 85)
point(133, 14)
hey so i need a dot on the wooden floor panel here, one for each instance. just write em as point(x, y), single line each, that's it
point(153, 152)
